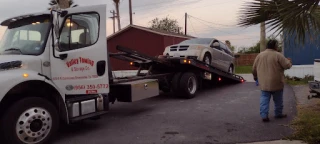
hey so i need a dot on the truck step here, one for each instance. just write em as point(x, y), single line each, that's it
point(80, 98)
point(87, 116)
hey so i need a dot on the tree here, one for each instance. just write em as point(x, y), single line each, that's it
point(228, 43)
point(117, 3)
point(294, 17)
point(166, 24)
point(62, 3)
point(256, 48)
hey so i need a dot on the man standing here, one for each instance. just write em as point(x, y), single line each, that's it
point(268, 69)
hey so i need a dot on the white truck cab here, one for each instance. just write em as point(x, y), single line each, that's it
point(54, 65)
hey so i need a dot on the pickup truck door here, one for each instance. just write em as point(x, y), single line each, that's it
point(216, 56)
point(224, 57)
point(83, 64)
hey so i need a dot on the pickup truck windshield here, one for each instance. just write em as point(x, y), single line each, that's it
point(205, 41)
point(26, 36)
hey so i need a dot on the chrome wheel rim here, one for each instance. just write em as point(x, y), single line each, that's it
point(192, 85)
point(230, 70)
point(33, 125)
point(207, 60)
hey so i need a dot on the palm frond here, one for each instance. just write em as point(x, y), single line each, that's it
point(294, 17)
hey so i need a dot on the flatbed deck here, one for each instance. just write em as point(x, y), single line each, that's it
point(165, 66)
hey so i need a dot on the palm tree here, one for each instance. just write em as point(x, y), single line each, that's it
point(62, 3)
point(117, 3)
point(294, 17)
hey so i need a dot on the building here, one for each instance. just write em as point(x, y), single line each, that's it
point(142, 39)
point(302, 55)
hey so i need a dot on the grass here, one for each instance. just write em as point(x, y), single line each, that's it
point(298, 81)
point(307, 125)
point(243, 69)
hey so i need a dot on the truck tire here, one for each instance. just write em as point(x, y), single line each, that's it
point(175, 83)
point(30, 120)
point(189, 85)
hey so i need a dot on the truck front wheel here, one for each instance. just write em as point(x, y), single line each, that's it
point(30, 120)
point(189, 85)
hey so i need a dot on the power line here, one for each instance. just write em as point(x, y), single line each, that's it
point(191, 25)
point(218, 29)
point(174, 4)
point(154, 3)
point(214, 23)
point(161, 13)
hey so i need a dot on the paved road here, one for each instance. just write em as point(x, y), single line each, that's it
point(226, 114)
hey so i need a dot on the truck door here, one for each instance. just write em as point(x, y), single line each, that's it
point(82, 66)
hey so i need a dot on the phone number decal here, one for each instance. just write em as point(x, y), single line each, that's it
point(91, 87)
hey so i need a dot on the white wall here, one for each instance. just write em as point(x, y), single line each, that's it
point(296, 71)
point(300, 71)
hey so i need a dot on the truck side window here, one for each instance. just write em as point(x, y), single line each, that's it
point(79, 31)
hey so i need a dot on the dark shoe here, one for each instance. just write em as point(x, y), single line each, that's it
point(266, 120)
point(281, 116)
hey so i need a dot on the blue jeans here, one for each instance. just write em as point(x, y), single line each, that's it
point(264, 103)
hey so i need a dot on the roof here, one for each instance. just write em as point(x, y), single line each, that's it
point(159, 32)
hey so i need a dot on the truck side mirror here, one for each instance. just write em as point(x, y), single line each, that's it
point(63, 56)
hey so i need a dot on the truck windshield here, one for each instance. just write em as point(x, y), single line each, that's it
point(26, 36)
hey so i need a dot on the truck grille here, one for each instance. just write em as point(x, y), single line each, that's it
point(179, 48)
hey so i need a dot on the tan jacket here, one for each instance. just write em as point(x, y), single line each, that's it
point(268, 68)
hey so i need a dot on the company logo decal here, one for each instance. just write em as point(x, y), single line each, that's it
point(74, 64)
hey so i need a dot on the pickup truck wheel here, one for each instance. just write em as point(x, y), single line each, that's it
point(207, 59)
point(230, 69)
point(30, 120)
point(189, 85)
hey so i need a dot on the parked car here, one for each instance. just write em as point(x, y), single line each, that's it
point(208, 50)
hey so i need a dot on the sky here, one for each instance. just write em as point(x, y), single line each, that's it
point(206, 18)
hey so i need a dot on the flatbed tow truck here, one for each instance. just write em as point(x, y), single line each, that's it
point(55, 69)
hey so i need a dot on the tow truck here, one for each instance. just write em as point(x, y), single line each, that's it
point(55, 69)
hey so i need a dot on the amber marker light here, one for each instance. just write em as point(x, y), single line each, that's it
point(25, 75)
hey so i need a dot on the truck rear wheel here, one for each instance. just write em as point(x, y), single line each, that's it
point(189, 85)
point(175, 83)
point(30, 120)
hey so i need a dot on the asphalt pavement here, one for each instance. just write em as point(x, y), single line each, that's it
point(223, 114)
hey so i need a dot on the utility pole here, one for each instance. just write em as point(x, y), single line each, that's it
point(130, 12)
point(113, 20)
point(262, 34)
point(185, 23)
